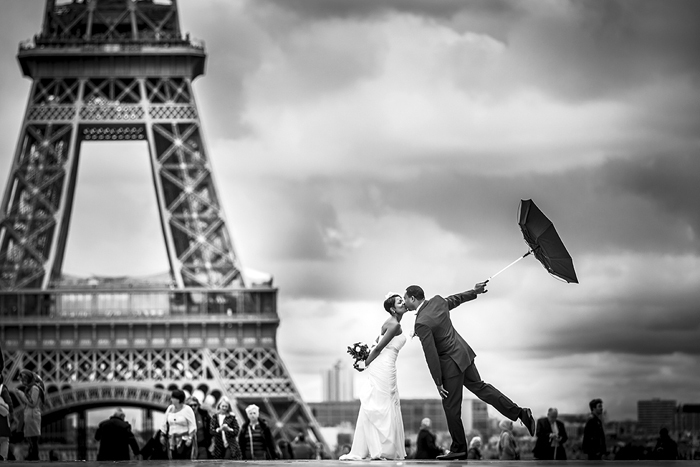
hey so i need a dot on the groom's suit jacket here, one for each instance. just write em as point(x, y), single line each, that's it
point(446, 352)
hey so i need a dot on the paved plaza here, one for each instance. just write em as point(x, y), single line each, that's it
point(337, 463)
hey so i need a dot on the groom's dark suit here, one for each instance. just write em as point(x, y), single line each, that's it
point(451, 364)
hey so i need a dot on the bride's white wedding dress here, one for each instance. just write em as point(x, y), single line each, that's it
point(379, 430)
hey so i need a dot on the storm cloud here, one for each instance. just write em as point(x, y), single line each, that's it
point(362, 146)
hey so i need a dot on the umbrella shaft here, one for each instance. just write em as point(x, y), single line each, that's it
point(523, 256)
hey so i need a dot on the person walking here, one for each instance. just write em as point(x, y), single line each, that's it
point(551, 436)
point(31, 396)
point(426, 448)
point(203, 420)
point(593, 433)
point(451, 362)
point(224, 430)
point(115, 437)
point(6, 415)
point(255, 438)
point(507, 446)
point(179, 430)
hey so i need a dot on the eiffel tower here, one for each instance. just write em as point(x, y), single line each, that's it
point(121, 70)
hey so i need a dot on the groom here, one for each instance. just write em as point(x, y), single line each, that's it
point(451, 364)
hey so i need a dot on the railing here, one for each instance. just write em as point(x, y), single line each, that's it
point(112, 303)
point(111, 43)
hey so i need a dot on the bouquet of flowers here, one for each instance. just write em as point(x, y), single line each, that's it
point(359, 351)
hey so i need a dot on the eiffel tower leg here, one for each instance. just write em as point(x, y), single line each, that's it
point(38, 197)
point(199, 247)
point(116, 71)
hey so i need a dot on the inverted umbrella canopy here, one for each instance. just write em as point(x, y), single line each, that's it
point(544, 241)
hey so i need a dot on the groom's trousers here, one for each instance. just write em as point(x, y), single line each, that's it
point(452, 404)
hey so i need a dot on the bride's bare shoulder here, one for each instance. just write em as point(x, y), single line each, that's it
point(391, 325)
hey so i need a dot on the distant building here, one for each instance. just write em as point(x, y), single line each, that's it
point(652, 415)
point(574, 423)
point(475, 415)
point(415, 410)
point(336, 413)
point(688, 418)
point(338, 385)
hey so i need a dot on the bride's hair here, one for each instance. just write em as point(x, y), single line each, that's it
point(389, 303)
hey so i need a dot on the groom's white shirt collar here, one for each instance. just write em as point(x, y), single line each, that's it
point(415, 314)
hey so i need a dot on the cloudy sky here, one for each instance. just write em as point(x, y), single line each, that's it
point(361, 146)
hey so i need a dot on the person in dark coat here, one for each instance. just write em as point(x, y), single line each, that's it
point(302, 449)
point(551, 436)
point(593, 433)
point(666, 448)
point(115, 438)
point(224, 429)
point(203, 422)
point(255, 438)
point(425, 443)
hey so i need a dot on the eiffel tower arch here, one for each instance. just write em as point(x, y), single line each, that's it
point(121, 70)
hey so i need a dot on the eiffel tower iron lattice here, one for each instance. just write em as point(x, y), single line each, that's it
point(121, 70)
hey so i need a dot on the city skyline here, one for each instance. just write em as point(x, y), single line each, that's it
point(362, 146)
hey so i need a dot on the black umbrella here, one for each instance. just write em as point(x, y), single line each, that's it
point(544, 243)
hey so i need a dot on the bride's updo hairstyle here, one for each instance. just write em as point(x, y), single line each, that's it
point(389, 303)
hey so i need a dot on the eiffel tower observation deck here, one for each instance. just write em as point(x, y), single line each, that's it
point(112, 71)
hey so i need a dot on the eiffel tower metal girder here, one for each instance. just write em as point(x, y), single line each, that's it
point(111, 71)
point(37, 205)
point(76, 357)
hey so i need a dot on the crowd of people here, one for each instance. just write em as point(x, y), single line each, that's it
point(551, 440)
point(190, 432)
point(20, 416)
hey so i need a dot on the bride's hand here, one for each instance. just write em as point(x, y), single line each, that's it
point(360, 366)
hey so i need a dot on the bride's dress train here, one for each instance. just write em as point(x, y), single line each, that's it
point(379, 432)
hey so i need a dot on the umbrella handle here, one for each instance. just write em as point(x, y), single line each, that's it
point(523, 256)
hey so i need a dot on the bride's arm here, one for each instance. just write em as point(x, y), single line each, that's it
point(392, 330)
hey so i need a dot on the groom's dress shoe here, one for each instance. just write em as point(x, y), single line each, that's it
point(453, 456)
point(528, 420)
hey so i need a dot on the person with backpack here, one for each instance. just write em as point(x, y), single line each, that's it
point(32, 398)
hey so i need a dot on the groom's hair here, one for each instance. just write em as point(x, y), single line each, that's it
point(416, 292)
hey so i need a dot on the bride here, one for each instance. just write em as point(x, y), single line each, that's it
point(379, 430)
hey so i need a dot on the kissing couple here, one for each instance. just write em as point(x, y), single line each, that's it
point(379, 432)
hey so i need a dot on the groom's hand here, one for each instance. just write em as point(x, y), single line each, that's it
point(443, 392)
point(480, 288)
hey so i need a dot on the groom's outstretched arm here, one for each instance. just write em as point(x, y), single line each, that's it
point(455, 300)
point(430, 351)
